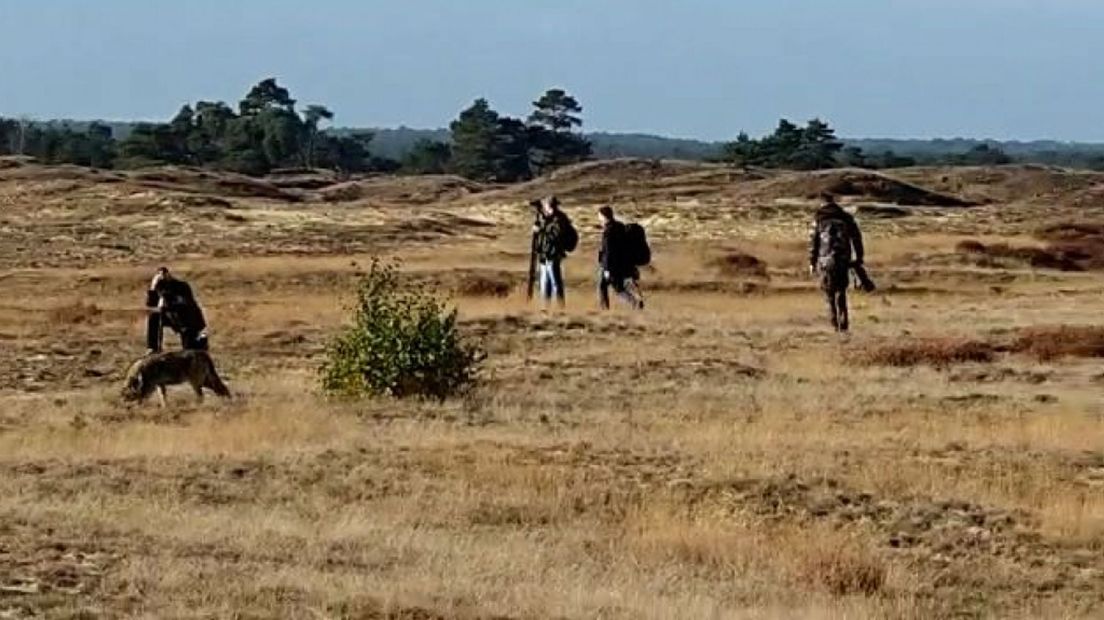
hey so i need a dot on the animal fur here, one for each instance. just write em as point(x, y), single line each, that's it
point(155, 371)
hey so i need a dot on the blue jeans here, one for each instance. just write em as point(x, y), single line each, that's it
point(551, 281)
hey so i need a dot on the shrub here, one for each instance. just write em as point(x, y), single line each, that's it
point(403, 342)
point(939, 352)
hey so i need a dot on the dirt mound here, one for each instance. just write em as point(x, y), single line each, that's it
point(1014, 183)
point(196, 180)
point(862, 184)
point(623, 180)
point(417, 190)
point(301, 178)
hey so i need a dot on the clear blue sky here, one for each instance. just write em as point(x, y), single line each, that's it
point(696, 68)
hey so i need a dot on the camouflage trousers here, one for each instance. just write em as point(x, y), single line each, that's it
point(834, 279)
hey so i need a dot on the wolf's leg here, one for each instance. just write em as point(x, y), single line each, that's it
point(161, 395)
point(198, 390)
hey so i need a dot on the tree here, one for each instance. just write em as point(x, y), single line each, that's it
point(427, 157)
point(853, 157)
point(817, 148)
point(151, 144)
point(265, 95)
point(743, 151)
point(556, 111)
point(790, 146)
point(983, 155)
point(311, 117)
point(346, 154)
point(553, 141)
point(512, 149)
point(475, 136)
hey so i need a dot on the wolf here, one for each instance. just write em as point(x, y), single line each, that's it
point(157, 370)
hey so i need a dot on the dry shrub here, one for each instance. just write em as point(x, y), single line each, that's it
point(843, 570)
point(74, 313)
point(939, 352)
point(1048, 343)
point(738, 264)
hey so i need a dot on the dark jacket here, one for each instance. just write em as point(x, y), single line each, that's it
point(178, 305)
point(549, 242)
point(613, 254)
point(833, 216)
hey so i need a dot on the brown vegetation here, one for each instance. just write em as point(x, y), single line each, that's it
point(1047, 343)
point(932, 351)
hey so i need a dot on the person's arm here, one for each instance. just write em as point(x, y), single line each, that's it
point(857, 242)
point(604, 250)
point(814, 245)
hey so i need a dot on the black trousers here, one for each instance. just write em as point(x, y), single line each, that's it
point(624, 286)
point(834, 281)
point(190, 340)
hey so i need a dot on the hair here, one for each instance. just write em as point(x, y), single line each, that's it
point(606, 211)
point(827, 197)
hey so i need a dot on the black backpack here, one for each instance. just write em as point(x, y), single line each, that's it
point(570, 236)
point(636, 245)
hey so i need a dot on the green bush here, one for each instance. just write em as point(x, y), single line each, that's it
point(403, 342)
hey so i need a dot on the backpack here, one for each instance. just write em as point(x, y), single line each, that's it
point(636, 245)
point(569, 236)
point(835, 238)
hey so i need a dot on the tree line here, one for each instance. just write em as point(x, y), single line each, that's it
point(266, 131)
point(816, 147)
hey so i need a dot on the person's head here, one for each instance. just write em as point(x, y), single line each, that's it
point(605, 213)
point(827, 198)
point(162, 275)
point(549, 205)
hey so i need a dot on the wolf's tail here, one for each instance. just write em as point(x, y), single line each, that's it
point(213, 380)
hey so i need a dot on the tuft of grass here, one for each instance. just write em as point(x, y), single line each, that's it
point(843, 570)
point(938, 352)
point(738, 264)
point(483, 285)
point(75, 313)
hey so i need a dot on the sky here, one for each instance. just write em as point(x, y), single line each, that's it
point(707, 69)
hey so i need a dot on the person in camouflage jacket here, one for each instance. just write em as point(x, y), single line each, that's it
point(835, 246)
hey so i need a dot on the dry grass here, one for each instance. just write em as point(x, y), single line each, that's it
point(712, 457)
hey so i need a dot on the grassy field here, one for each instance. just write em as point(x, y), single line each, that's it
point(722, 455)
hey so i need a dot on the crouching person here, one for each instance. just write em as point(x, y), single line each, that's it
point(618, 262)
point(170, 303)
